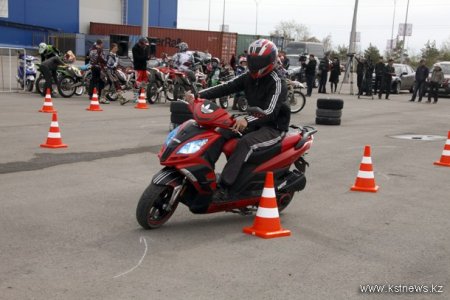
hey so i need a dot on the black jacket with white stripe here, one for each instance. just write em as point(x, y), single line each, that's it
point(269, 93)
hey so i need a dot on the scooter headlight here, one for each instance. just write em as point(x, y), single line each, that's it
point(192, 147)
point(171, 135)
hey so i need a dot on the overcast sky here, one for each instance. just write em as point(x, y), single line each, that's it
point(430, 18)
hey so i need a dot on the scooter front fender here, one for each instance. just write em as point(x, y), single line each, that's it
point(168, 176)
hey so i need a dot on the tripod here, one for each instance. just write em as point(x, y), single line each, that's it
point(348, 72)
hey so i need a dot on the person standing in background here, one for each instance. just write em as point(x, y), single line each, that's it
point(379, 69)
point(324, 67)
point(437, 77)
point(310, 73)
point(389, 71)
point(233, 62)
point(422, 73)
point(98, 62)
point(334, 74)
point(141, 54)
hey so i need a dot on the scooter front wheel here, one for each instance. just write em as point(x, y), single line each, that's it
point(152, 210)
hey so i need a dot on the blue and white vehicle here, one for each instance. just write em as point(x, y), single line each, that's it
point(26, 71)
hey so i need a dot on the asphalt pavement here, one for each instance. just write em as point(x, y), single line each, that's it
point(68, 227)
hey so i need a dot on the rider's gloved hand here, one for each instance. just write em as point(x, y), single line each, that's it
point(239, 125)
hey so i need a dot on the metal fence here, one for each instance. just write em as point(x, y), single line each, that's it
point(9, 62)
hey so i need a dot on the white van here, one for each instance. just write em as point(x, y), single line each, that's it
point(305, 48)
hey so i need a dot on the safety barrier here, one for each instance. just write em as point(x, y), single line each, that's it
point(8, 69)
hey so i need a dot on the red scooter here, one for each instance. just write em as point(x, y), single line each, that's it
point(189, 155)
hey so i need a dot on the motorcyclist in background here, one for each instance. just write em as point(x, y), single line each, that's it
point(240, 69)
point(50, 66)
point(48, 51)
point(214, 74)
point(184, 60)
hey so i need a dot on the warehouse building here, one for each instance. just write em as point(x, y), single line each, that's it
point(26, 23)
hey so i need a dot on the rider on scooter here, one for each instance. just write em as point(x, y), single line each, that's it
point(263, 88)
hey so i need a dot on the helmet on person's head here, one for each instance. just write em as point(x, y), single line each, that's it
point(261, 57)
point(215, 62)
point(69, 57)
point(143, 41)
point(183, 47)
point(42, 47)
point(242, 59)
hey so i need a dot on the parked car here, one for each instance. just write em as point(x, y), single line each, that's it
point(403, 80)
point(445, 88)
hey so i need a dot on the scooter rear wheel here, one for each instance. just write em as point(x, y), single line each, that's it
point(283, 200)
point(151, 212)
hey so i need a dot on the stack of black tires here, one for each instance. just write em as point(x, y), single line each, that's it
point(329, 111)
point(179, 113)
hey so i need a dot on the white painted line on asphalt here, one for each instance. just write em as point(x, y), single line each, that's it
point(140, 261)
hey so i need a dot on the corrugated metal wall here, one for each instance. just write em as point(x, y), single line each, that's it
point(220, 44)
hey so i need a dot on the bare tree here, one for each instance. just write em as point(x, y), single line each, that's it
point(327, 43)
point(292, 30)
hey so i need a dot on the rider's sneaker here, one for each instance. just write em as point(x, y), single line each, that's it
point(104, 101)
point(124, 101)
point(221, 195)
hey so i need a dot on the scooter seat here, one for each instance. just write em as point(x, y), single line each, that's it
point(289, 140)
point(256, 156)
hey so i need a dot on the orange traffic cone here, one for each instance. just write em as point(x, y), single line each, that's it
point(54, 136)
point(142, 103)
point(267, 221)
point(95, 105)
point(48, 105)
point(365, 180)
point(445, 158)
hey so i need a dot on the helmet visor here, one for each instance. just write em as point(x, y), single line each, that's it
point(256, 63)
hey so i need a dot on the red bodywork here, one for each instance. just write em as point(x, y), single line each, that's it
point(210, 116)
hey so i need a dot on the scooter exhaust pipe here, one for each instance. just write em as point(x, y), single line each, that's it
point(294, 181)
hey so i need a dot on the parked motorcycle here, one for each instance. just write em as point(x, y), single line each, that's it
point(26, 71)
point(225, 75)
point(127, 82)
point(188, 176)
point(70, 80)
point(159, 82)
point(295, 96)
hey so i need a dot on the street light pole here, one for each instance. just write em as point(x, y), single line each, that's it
point(351, 46)
point(223, 17)
point(404, 34)
point(351, 50)
point(256, 23)
point(393, 22)
point(144, 26)
point(209, 14)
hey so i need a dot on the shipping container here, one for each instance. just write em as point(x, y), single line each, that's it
point(219, 44)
